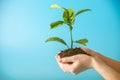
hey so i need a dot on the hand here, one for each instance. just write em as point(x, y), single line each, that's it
point(75, 64)
point(108, 68)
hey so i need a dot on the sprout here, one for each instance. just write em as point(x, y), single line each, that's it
point(69, 16)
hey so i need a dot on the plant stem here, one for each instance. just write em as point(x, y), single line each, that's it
point(71, 39)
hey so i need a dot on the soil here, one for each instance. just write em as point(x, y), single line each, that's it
point(71, 52)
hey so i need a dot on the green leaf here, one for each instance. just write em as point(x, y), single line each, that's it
point(82, 11)
point(68, 16)
point(82, 41)
point(71, 15)
point(57, 39)
point(56, 24)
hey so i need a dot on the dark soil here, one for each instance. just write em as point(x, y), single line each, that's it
point(71, 52)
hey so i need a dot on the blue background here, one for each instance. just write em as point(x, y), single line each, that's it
point(24, 26)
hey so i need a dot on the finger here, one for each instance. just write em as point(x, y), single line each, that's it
point(88, 51)
point(65, 67)
point(76, 68)
point(67, 59)
point(62, 66)
point(58, 58)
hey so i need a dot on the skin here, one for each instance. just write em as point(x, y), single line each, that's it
point(106, 67)
point(110, 62)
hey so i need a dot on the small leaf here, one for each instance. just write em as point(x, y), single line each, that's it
point(57, 6)
point(82, 41)
point(57, 39)
point(71, 15)
point(82, 11)
point(56, 24)
point(71, 12)
point(68, 16)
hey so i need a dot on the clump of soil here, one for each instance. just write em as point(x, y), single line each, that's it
point(71, 52)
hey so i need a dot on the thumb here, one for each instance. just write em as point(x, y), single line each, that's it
point(67, 59)
point(88, 51)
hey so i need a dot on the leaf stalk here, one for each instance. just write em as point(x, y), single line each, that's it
point(71, 37)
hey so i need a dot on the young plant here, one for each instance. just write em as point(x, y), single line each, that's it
point(69, 16)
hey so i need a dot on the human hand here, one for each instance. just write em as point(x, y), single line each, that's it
point(75, 64)
point(106, 67)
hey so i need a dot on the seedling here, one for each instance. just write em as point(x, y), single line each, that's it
point(69, 17)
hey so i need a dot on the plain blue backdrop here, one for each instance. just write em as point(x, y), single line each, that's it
point(24, 26)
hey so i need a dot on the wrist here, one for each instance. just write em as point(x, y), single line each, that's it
point(94, 60)
point(91, 63)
